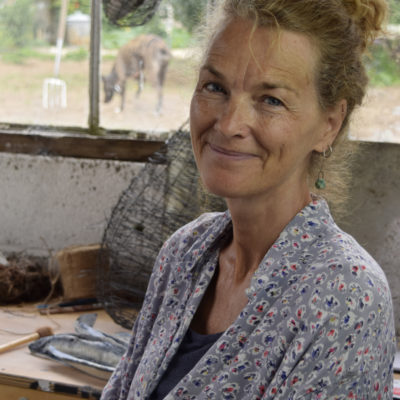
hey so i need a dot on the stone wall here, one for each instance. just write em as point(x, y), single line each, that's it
point(54, 202)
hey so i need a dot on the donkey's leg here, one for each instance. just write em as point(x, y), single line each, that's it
point(140, 79)
point(160, 99)
point(122, 95)
point(160, 83)
point(121, 92)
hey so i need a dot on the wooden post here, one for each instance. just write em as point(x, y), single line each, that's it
point(94, 72)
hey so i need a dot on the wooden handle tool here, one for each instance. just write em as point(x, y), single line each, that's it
point(41, 332)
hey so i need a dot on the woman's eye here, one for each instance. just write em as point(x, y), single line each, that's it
point(214, 87)
point(272, 101)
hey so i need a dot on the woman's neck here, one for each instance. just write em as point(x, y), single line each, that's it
point(256, 226)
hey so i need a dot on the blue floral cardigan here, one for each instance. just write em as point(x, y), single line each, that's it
point(318, 323)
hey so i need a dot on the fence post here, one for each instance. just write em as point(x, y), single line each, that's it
point(94, 72)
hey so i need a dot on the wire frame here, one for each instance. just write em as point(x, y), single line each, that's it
point(162, 197)
point(126, 13)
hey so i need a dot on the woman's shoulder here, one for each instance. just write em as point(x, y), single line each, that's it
point(328, 250)
point(211, 223)
point(201, 231)
point(340, 247)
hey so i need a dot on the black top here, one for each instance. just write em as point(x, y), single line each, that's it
point(192, 348)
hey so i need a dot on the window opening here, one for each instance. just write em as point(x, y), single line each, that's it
point(96, 30)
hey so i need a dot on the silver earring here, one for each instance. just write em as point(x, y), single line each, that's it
point(320, 183)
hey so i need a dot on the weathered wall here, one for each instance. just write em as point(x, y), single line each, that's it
point(56, 202)
point(374, 210)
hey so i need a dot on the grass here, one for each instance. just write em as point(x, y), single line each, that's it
point(382, 68)
point(22, 55)
point(79, 54)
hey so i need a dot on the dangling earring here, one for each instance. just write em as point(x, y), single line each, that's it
point(320, 182)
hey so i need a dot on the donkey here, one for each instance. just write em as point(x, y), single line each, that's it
point(144, 58)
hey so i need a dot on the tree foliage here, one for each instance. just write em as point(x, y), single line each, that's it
point(394, 6)
point(189, 12)
point(16, 23)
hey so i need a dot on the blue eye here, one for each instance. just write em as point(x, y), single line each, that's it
point(214, 87)
point(273, 101)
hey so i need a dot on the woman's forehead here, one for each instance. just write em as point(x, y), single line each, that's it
point(241, 45)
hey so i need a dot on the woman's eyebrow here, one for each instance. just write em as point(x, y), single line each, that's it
point(276, 85)
point(213, 71)
point(261, 86)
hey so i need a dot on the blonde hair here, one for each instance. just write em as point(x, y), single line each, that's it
point(342, 31)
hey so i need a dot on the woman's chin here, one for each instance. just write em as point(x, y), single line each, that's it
point(224, 188)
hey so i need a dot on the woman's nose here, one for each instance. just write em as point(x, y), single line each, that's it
point(234, 118)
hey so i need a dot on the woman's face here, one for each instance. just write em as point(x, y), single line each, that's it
point(254, 117)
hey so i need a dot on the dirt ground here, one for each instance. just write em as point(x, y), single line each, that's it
point(21, 94)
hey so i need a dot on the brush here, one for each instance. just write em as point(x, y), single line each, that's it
point(41, 332)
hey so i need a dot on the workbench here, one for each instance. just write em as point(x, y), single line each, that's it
point(28, 377)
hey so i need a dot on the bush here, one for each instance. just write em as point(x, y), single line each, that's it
point(16, 23)
point(382, 68)
point(114, 38)
point(181, 38)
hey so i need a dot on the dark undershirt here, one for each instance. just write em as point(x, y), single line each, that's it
point(192, 348)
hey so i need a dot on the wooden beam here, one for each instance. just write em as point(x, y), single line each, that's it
point(79, 146)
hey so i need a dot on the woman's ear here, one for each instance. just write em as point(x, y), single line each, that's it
point(334, 118)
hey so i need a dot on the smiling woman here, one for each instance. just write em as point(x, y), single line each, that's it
point(255, 116)
point(270, 299)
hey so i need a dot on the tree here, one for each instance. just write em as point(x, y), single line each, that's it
point(189, 12)
point(394, 6)
point(16, 23)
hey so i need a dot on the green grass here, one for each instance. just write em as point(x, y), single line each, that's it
point(382, 69)
point(22, 55)
point(79, 54)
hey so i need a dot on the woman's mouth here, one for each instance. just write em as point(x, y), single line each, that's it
point(230, 153)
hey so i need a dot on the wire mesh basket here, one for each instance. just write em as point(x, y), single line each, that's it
point(163, 196)
point(126, 13)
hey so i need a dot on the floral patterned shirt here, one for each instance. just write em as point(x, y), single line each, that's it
point(318, 323)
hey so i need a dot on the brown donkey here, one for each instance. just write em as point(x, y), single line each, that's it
point(146, 57)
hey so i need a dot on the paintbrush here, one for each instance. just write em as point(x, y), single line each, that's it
point(41, 332)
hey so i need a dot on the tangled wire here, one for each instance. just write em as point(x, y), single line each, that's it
point(126, 13)
point(165, 195)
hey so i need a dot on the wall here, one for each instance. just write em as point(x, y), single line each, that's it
point(54, 202)
point(374, 210)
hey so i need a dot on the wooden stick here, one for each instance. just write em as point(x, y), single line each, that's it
point(70, 309)
point(41, 332)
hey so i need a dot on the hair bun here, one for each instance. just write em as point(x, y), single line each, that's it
point(368, 15)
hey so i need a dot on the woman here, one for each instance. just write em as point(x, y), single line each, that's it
point(269, 300)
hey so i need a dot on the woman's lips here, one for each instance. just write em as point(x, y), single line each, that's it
point(230, 153)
